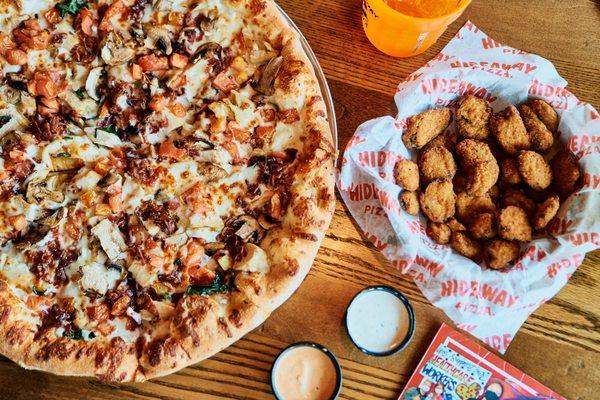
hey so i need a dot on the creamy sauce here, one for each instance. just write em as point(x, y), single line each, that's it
point(378, 321)
point(304, 373)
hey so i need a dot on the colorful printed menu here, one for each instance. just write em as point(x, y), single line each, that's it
point(456, 368)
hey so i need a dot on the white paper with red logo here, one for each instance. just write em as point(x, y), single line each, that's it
point(491, 305)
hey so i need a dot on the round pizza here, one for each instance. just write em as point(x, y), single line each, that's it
point(166, 179)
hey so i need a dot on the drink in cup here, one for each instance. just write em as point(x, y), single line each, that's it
point(405, 28)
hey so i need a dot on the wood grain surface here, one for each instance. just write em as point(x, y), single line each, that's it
point(559, 344)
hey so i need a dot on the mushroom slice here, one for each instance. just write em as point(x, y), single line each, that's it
point(249, 228)
point(93, 81)
point(53, 219)
point(42, 190)
point(160, 38)
point(111, 239)
point(213, 247)
point(114, 52)
point(61, 164)
point(269, 74)
point(105, 138)
point(109, 179)
point(206, 51)
point(211, 172)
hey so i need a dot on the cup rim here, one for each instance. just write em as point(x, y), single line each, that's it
point(427, 19)
point(315, 345)
point(411, 321)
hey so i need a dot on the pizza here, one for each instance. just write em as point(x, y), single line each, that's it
point(166, 179)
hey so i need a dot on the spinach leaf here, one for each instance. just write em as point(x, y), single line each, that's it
point(73, 333)
point(80, 93)
point(64, 154)
point(71, 6)
point(217, 286)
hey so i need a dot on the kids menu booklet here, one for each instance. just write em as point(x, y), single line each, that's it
point(456, 368)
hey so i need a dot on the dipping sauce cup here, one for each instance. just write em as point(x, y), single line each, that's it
point(399, 34)
point(306, 371)
point(380, 321)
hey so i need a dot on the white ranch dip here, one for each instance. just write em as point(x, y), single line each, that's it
point(304, 373)
point(377, 320)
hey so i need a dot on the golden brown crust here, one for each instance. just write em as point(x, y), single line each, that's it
point(438, 201)
point(513, 224)
point(546, 211)
point(466, 246)
point(198, 330)
point(541, 138)
point(566, 172)
point(499, 253)
point(473, 116)
point(425, 127)
point(409, 202)
point(439, 233)
point(509, 130)
point(406, 173)
point(436, 163)
point(536, 172)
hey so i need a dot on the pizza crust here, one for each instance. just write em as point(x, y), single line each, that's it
point(198, 329)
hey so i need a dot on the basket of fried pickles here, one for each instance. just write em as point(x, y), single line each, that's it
point(492, 186)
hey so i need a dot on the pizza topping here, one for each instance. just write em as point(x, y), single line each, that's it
point(144, 156)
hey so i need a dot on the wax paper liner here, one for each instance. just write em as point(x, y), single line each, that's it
point(492, 305)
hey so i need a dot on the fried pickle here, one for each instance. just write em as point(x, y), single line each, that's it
point(509, 171)
point(438, 201)
point(424, 127)
point(566, 172)
point(498, 253)
point(473, 116)
point(508, 129)
point(409, 202)
point(545, 113)
point(480, 166)
point(467, 205)
point(483, 226)
point(540, 137)
point(436, 163)
point(513, 224)
point(439, 233)
point(466, 246)
point(546, 211)
point(516, 197)
point(406, 173)
point(536, 172)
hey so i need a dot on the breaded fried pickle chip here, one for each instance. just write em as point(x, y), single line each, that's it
point(467, 205)
point(509, 171)
point(480, 164)
point(436, 163)
point(406, 173)
point(409, 202)
point(424, 127)
point(536, 172)
point(439, 233)
point(516, 197)
point(513, 224)
point(546, 211)
point(463, 244)
point(545, 113)
point(566, 172)
point(483, 226)
point(540, 137)
point(509, 130)
point(499, 253)
point(438, 201)
point(473, 116)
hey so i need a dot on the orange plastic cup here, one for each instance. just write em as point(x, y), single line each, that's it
point(402, 35)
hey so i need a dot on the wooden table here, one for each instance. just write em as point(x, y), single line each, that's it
point(559, 344)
